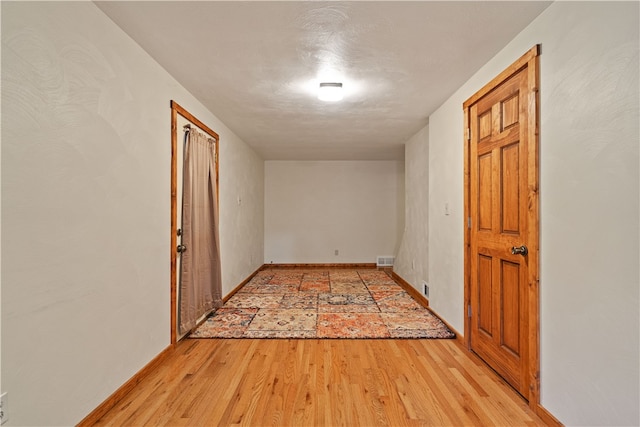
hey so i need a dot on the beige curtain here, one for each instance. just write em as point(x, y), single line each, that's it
point(201, 283)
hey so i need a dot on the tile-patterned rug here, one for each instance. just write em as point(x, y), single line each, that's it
point(322, 304)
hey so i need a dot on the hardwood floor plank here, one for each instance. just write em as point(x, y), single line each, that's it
point(320, 382)
point(444, 393)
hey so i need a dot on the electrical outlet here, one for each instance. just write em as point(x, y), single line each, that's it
point(337, 252)
point(425, 289)
point(4, 409)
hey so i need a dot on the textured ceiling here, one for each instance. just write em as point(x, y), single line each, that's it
point(256, 65)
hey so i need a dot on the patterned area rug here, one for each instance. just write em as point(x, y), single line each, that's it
point(322, 304)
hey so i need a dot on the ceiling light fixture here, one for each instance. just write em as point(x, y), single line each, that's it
point(330, 92)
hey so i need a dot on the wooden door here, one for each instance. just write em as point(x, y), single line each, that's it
point(503, 225)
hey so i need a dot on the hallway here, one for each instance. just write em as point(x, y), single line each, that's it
point(87, 186)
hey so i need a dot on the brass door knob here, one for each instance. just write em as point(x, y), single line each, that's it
point(519, 250)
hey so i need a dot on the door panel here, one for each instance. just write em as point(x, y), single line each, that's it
point(510, 177)
point(510, 302)
point(485, 295)
point(510, 111)
point(484, 125)
point(485, 193)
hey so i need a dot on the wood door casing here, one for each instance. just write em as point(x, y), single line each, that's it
point(501, 212)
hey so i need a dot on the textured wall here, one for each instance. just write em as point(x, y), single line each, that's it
point(446, 237)
point(241, 223)
point(314, 208)
point(412, 261)
point(85, 208)
point(589, 207)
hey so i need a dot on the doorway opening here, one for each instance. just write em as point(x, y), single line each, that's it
point(181, 118)
point(501, 256)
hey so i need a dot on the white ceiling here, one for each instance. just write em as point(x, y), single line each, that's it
point(256, 65)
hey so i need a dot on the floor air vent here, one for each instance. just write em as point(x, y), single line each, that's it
point(385, 261)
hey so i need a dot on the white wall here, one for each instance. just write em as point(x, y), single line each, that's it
point(446, 239)
point(589, 207)
point(241, 224)
point(85, 199)
point(412, 261)
point(313, 208)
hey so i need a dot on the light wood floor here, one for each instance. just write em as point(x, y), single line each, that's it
point(214, 382)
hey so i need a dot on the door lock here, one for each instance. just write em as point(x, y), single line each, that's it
point(519, 250)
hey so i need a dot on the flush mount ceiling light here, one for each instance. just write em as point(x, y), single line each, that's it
point(330, 92)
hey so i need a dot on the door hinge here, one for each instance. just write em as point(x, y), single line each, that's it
point(468, 134)
point(469, 310)
point(468, 222)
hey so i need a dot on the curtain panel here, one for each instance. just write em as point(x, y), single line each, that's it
point(201, 281)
